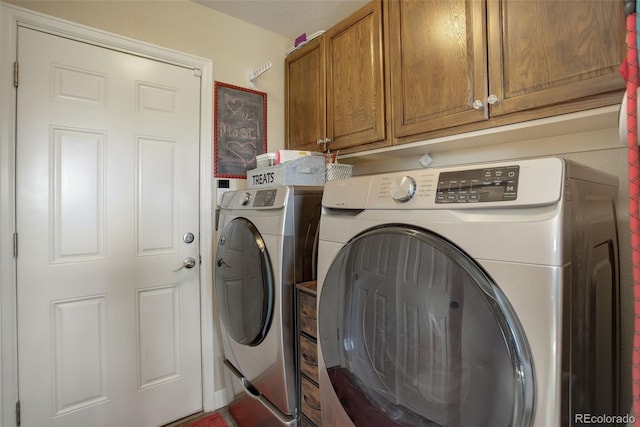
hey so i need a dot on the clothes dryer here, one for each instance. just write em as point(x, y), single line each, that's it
point(266, 243)
point(475, 295)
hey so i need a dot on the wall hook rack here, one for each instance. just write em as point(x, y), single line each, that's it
point(253, 75)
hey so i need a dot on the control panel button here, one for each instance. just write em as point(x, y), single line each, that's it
point(265, 198)
point(493, 184)
point(246, 198)
point(403, 189)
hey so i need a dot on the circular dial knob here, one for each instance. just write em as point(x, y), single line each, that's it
point(245, 199)
point(403, 189)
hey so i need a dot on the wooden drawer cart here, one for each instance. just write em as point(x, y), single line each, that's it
point(308, 354)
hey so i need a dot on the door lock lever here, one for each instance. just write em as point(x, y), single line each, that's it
point(188, 262)
point(221, 262)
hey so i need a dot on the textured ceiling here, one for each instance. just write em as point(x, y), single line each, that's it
point(289, 18)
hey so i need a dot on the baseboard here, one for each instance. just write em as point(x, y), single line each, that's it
point(220, 399)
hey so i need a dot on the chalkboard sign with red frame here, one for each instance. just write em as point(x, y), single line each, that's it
point(240, 134)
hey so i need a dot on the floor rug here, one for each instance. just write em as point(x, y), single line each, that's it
point(213, 420)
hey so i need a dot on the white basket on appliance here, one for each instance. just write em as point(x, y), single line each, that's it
point(338, 171)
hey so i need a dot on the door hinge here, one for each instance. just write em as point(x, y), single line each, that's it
point(15, 74)
point(18, 413)
point(15, 245)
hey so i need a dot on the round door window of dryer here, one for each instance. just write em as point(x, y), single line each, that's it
point(244, 282)
point(414, 332)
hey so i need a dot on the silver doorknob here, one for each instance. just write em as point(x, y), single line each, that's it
point(188, 262)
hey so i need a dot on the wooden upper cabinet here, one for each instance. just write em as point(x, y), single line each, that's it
point(435, 68)
point(335, 86)
point(356, 110)
point(438, 63)
point(545, 52)
point(305, 96)
point(461, 65)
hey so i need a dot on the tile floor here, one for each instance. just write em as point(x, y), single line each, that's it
point(185, 421)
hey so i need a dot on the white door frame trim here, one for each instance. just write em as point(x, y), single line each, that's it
point(10, 17)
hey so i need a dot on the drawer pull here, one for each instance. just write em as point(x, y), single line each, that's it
point(311, 405)
point(309, 359)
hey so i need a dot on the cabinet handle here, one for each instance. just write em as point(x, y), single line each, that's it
point(492, 99)
point(477, 105)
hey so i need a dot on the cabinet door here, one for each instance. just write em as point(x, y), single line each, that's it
point(355, 80)
point(547, 51)
point(305, 96)
point(438, 63)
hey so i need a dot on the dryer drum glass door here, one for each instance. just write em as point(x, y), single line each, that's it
point(414, 333)
point(244, 282)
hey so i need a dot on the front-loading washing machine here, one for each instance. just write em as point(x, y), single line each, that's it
point(475, 295)
point(267, 242)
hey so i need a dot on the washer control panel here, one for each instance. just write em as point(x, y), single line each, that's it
point(272, 198)
point(492, 184)
point(527, 182)
point(265, 198)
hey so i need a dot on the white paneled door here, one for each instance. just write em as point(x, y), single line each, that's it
point(107, 186)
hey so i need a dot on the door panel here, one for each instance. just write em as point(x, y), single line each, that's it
point(157, 210)
point(305, 94)
point(107, 183)
point(437, 55)
point(77, 205)
point(535, 60)
point(355, 84)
